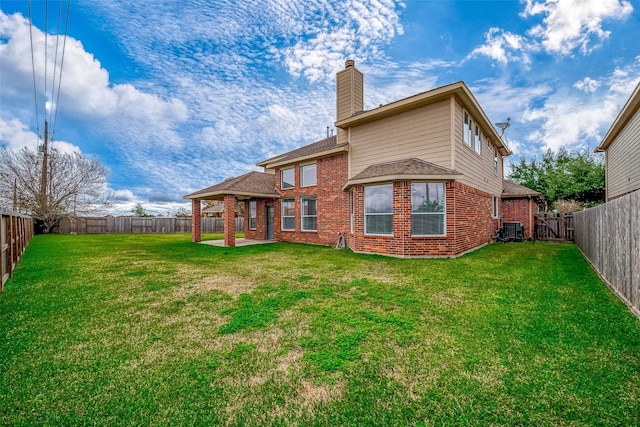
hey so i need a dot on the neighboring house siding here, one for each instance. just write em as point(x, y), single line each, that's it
point(423, 133)
point(478, 170)
point(623, 158)
point(332, 203)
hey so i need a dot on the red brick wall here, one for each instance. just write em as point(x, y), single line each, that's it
point(468, 224)
point(196, 220)
point(332, 203)
point(520, 210)
point(229, 216)
point(260, 232)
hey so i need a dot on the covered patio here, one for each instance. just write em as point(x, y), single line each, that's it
point(252, 185)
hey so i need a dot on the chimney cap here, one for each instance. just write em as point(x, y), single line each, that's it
point(349, 63)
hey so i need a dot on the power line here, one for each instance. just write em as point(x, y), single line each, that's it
point(33, 67)
point(64, 45)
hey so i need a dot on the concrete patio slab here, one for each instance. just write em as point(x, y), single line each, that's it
point(239, 242)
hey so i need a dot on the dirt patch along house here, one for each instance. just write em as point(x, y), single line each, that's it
point(418, 177)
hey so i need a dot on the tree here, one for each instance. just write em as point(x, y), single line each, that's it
point(140, 211)
point(564, 175)
point(182, 212)
point(73, 185)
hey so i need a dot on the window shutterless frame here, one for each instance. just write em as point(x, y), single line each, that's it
point(378, 210)
point(288, 219)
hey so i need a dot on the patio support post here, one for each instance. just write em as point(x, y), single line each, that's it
point(229, 216)
point(196, 218)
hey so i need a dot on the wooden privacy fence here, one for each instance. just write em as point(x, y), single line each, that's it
point(128, 224)
point(609, 237)
point(554, 227)
point(15, 233)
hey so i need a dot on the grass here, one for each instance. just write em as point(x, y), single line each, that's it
point(155, 330)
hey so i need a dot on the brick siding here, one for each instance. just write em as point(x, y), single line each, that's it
point(520, 210)
point(468, 224)
point(332, 203)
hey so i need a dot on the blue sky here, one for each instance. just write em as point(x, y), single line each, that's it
point(174, 96)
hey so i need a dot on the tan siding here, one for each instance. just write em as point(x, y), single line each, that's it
point(478, 170)
point(623, 160)
point(422, 133)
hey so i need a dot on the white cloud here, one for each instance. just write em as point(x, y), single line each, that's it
point(571, 24)
point(16, 135)
point(587, 85)
point(503, 47)
point(575, 121)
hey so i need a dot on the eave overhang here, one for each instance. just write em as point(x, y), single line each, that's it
point(458, 89)
point(626, 114)
point(390, 178)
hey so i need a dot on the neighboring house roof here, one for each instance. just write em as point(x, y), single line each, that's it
point(317, 149)
point(252, 184)
point(458, 89)
point(216, 207)
point(406, 169)
point(512, 190)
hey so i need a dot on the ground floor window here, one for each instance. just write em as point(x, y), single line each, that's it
point(288, 214)
point(495, 212)
point(309, 214)
point(253, 218)
point(428, 207)
point(378, 209)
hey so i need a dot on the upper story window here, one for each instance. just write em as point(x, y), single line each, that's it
point(253, 214)
point(378, 209)
point(428, 207)
point(288, 178)
point(495, 161)
point(308, 175)
point(309, 214)
point(288, 214)
point(468, 129)
point(478, 140)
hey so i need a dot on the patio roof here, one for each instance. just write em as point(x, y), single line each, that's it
point(407, 169)
point(247, 186)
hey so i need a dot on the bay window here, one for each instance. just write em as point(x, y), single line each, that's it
point(378, 209)
point(428, 208)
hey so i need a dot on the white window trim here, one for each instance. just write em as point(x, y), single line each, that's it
point(444, 213)
point(477, 142)
point(282, 178)
point(495, 207)
point(303, 216)
point(255, 204)
point(467, 129)
point(302, 184)
point(282, 215)
point(377, 214)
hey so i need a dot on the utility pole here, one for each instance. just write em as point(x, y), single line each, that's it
point(45, 161)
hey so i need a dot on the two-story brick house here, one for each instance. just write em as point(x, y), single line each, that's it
point(422, 176)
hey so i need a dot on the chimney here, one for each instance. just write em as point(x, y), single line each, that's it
point(349, 95)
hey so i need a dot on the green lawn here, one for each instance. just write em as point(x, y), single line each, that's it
point(155, 330)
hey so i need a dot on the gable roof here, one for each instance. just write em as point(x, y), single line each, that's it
point(407, 169)
point(249, 185)
point(627, 112)
point(458, 89)
point(321, 148)
point(512, 190)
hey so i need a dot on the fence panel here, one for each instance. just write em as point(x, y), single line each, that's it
point(16, 232)
point(554, 227)
point(609, 237)
point(128, 225)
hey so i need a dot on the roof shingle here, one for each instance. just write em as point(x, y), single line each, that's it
point(257, 184)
